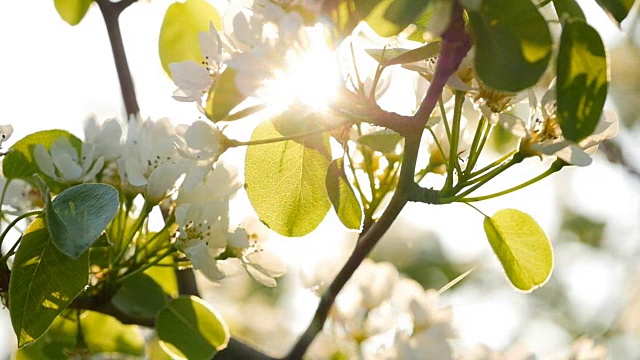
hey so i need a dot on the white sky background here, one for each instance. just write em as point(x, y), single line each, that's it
point(52, 75)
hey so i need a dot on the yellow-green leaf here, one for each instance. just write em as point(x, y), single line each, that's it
point(72, 11)
point(285, 180)
point(43, 283)
point(102, 334)
point(390, 17)
point(223, 96)
point(342, 196)
point(179, 32)
point(521, 246)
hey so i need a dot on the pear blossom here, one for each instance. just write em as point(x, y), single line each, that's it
point(150, 163)
point(262, 265)
point(202, 215)
point(64, 164)
point(201, 143)
point(543, 136)
point(106, 136)
point(193, 79)
point(221, 183)
point(202, 235)
point(20, 195)
point(5, 133)
point(383, 315)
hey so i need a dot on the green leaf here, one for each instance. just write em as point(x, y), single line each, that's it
point(19, 162)
point(72, 11)
point(390, 17)
point(389, 57)
point(568, 9)
point(102, 334)
point(384, 141)
point(285, 180)
point(44, 281)
point(342, 196)
point(223, 96)
point(165, 276)
point(582, 80)
point(79, 214)
point(521, 246)
point(189, 327)
point(617, 9)
point(513, 43)
point(140, 296)
point(179, 32)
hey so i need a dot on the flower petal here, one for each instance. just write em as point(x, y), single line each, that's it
point(514, 125)
point(44, 160)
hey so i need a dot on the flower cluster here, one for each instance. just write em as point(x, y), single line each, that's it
point(211, 243)
point(176, 167)
point(382, 315)
point(256, 44)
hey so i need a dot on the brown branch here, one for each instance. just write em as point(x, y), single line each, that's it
point(103, 305)
point(111, 12)
point(455, 45)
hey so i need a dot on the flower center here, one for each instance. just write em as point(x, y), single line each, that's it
point(497, 101)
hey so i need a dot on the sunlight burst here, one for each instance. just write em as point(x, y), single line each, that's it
point(310, 76)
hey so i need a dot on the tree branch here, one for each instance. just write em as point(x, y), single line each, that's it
point(111, 12)
point(455, 45)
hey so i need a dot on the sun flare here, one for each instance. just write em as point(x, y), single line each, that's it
point(310, 75)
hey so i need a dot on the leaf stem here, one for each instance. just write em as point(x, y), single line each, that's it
point(517, 158)
point(231, 143)
point(9, 227)
point(555, 167)
point(453, 164)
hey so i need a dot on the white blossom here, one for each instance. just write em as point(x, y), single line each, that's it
point(194, 79)
point(5, 133)
point(64, 164)
point(261, 264)
point(106, 136)
point(221, 183)
point(543, 136)
point(150, 163)
point(201, 143)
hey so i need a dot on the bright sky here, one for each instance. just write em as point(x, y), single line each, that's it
point(53, 75)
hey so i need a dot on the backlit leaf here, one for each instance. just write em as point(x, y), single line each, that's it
point(342, 196)
point(617, 9)
point(389, 57)
point(44, 281)
point(72, 11)
point(513, 43)
point(223, 96)
point(390, 17)
point(384, 141)
point(582, 80)
point(102, 334)
point(189, 327)
point(179, 32)
point(521, 246)
point(285, 180)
